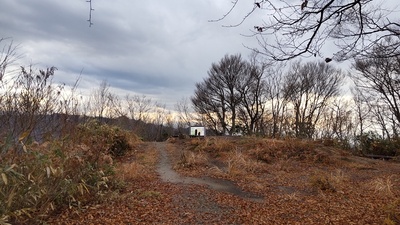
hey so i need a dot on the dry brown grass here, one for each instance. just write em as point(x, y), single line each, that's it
point(241, 164)
point(45, 179)
point(138, 165)
point(393, 213)
point(294, 171)
point(212, 145)
point(340, 179)
point(298, 186)
point(322, 182)
point(245, 156)
point(147, 157)
point(190, 159)
point(249, 155)
point(382, 185)
point(286, 165)
point(131, 171)
point(64, 173)
point(332, 182)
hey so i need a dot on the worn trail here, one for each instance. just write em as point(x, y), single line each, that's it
point(167, 174)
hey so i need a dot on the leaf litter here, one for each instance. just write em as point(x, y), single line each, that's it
point(281, 191)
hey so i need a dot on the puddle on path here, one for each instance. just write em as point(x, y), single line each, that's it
point(167, 174)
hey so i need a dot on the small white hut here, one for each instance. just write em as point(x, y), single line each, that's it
point(197, 131)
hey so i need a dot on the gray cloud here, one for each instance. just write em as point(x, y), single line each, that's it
point(156, 48)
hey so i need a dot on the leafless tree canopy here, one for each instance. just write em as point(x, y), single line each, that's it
point(8, 55)
point(378, 83)
point(217, 95)
point(309, 88)
point(293, 28)
point(252, 89)
point(183, 110)
point(247, 97)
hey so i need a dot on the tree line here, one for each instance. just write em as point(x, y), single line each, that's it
point(306, 100)
point(239, 96)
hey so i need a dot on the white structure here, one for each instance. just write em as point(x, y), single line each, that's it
point(197, 131)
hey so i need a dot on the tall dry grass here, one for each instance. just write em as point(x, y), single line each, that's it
point(264, 150)
point(139, 169)
point(241, 164)
point(246, 159)
point(59, 174)
point(190, 159)
point(50, 156)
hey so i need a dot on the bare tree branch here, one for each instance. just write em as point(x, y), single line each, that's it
point(90, 12)
point(354, 26)
point(8, 55)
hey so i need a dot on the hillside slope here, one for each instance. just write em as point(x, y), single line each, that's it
point(291, 182)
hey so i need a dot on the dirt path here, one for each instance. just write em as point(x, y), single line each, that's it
point(201, 200)
point(166, 198)
point(167, 174)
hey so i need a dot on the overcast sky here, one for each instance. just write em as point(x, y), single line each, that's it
point(155, 48)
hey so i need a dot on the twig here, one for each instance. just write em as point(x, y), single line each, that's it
point(90, 12)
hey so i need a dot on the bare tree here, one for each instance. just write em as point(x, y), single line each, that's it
point(70, 102)
point(210, 107)
point(185, 117)
point(169, 126)
point(28, 103)
point(100, 100)
point(338, 121)
point(159, 120)
point(8, 55)
point(116, 109)
point(277, 102)
point(138, 107)
point(378, 79)
point(362, 111)
point(290, 29)
point(252, 88)
point(90, 12)
point(309, 88)
point(217, 97)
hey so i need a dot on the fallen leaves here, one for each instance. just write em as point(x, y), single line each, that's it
point(290, 196)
